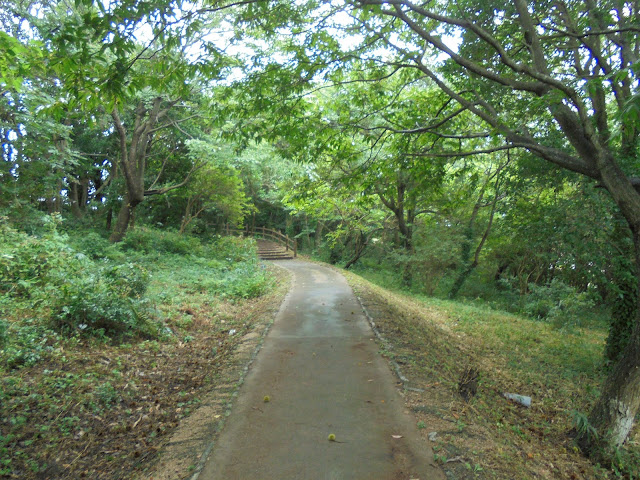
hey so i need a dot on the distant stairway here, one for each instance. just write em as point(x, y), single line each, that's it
point(272, 251)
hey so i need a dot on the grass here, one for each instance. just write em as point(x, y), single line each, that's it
point(89, 406)
point(436, 341)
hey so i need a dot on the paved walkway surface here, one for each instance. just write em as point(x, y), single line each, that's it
point(323, 374)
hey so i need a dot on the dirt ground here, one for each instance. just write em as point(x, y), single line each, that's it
point(101, 411)
point(487, 437)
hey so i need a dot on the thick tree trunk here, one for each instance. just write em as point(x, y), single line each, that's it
point(109, 219)
point(75, 197)
point(122, 221)
point(614, 414)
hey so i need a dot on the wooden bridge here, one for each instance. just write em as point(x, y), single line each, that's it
point(272, 245)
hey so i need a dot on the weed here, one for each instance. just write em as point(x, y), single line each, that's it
point(107, 394)
point(440, 458)
point(583, 426)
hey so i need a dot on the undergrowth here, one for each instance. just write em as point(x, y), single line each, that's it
point(82, 323)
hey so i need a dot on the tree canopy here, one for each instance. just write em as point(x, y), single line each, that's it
point(464, 143)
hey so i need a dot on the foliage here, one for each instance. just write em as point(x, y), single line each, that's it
point(107, 302)
point(74, 293)
point(558, 303)
point(50, 287)
point(27, 344)
point(4, 326)
point(146, 240)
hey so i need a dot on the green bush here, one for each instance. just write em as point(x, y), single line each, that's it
point(92, 244)
point(230, 249)
point(147, 240)
point(4, 326)
point(28, 343)
point(68, 289)
point(105, 302)
point(557, 302)
point(246, 281)
point(128, 279)
point(27, 262)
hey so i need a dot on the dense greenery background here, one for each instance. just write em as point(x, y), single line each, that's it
point(479, 152)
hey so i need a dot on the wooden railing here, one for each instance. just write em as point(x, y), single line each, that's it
point(267, 233)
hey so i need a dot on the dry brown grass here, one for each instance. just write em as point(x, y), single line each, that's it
point(490, 437)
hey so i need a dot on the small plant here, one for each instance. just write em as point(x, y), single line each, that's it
point(107, 394)
point(558, 303)
point(439, 458)
point(584, 427)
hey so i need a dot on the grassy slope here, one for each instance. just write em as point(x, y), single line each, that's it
point(94, 409)
point(436, 342)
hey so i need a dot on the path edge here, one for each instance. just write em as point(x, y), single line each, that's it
point(204, 457)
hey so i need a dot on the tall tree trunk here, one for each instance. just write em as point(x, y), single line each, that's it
point(74, 194)
point(614, 414)
point(462, 278)
point(125, 216)
point(109, 219)
point(317, 237)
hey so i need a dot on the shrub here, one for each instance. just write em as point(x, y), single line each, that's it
point(230, 249)
point(4, 326)
point(557, 302)
point(27, 262)
point(29, 343)
point(106, 302)
point(246, 281)
point(129, 279)
point(149, 240)
point(92, 244)
point(69, 289)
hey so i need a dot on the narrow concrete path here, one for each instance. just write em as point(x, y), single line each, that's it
point(323, 374)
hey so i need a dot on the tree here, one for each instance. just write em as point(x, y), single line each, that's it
point(555, 78)
point(216, 186)
point(558, 79)
point(149, 116)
